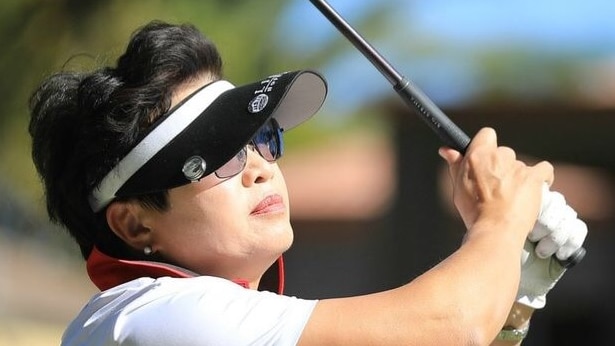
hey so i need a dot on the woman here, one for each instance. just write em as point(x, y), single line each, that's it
point(166, 177)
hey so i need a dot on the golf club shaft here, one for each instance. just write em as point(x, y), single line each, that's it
point(448, 131)
point(441, 124)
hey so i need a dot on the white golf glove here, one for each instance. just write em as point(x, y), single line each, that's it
point(557, 233)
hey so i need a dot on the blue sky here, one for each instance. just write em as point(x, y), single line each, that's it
point(574, 29)
point(569, 24)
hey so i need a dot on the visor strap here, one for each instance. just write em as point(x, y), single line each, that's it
point(157, 139)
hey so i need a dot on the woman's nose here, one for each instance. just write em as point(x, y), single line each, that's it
point(257, 169)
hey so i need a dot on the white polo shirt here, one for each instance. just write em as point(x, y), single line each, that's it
point(201, 310)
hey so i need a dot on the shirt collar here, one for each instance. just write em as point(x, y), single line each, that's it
point(107, 272)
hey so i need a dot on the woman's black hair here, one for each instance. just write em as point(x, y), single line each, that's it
point(82, 124)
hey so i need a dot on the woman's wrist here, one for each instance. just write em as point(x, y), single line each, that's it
point(504, 232)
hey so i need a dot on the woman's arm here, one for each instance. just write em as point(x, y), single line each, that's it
point(464, 300)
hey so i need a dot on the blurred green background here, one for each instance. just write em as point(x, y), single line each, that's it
point(463, 54)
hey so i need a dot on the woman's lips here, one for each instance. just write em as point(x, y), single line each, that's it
point(270, 204)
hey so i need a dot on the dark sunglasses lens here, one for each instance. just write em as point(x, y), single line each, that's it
point(268, 141)
point(234, 165)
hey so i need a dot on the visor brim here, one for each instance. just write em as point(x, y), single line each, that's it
point(215, 132)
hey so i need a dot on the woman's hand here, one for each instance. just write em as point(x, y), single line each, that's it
point(490, 183)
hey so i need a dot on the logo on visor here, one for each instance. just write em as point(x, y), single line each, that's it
point(258, 103)
point(194, 168)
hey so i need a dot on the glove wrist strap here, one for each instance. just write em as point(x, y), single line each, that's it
point(513, 334)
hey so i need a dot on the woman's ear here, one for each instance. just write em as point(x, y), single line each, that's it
point(125, 220)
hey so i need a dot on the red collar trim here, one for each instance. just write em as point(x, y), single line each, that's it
point(107, 272)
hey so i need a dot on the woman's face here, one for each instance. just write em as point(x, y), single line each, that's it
point(233, 229)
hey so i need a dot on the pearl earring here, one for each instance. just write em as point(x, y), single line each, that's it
point(147, 250)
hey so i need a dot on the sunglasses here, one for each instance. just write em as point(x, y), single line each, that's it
point(269, 144)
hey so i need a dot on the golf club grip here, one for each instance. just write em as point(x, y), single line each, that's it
point(442, 125)
point(427, 110)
